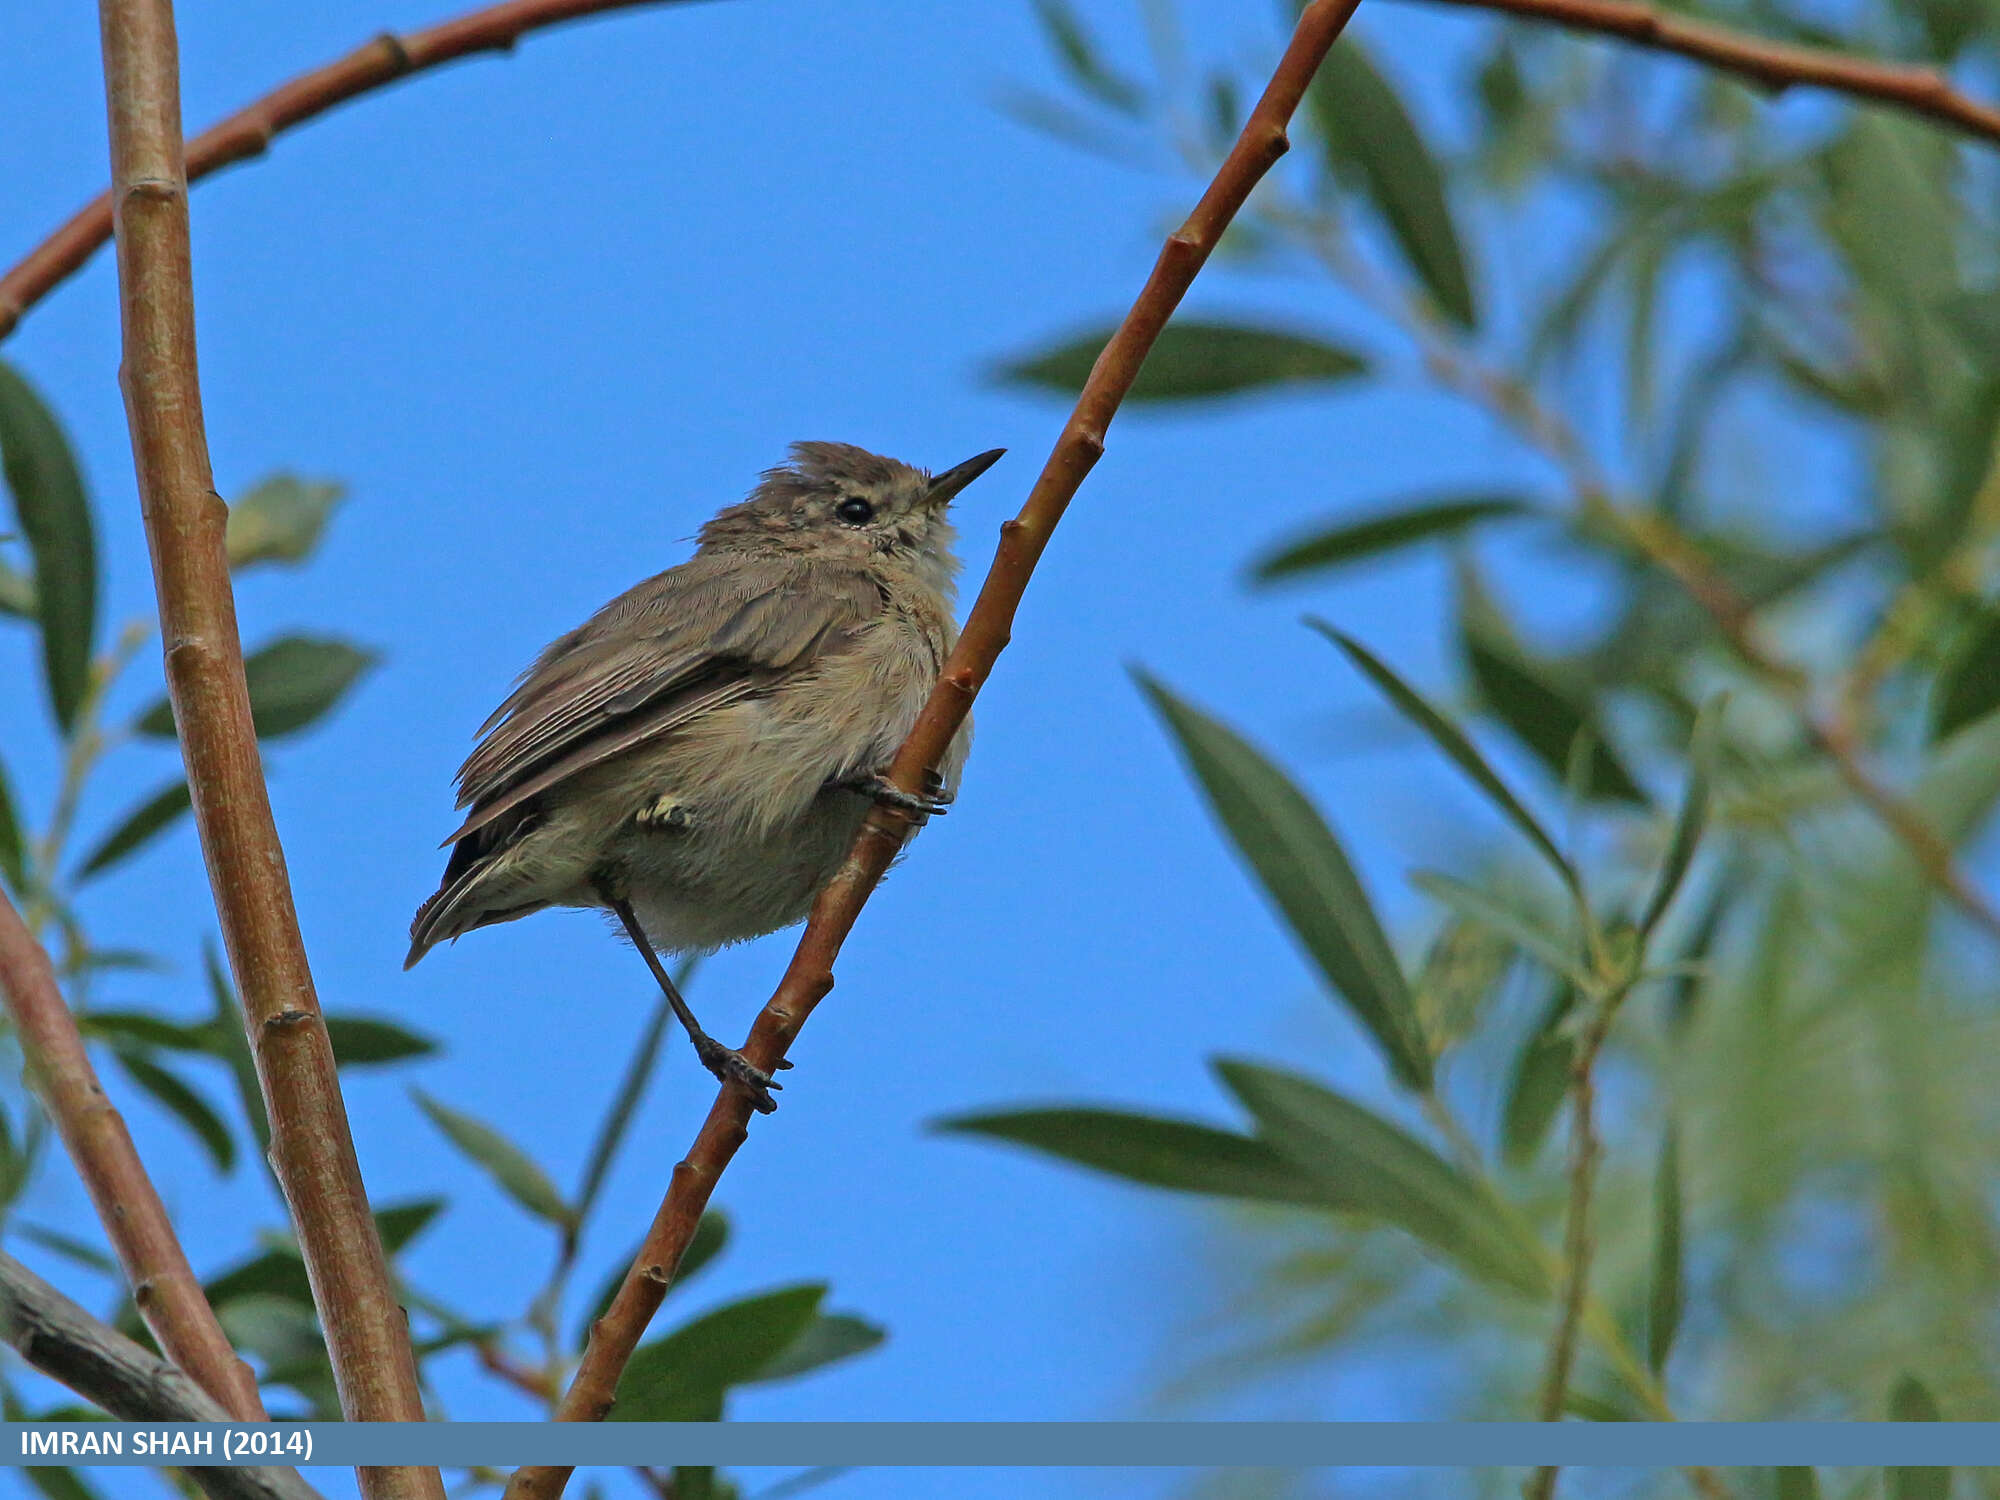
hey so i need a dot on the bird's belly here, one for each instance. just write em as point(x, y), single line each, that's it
point(695, 891)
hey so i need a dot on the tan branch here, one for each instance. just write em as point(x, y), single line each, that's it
point(250, 131)
point(164, 1288)
point(98, 1362)
point(311, 1149)
point(1770, 65)
point(809, 976)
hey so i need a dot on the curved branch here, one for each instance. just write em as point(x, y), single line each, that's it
point(164, 1287)
point(98, 1362)
point(250, 131)
point(311, 1149)
point(809, 976)
point(1776, 66)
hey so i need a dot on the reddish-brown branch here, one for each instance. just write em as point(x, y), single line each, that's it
point(809, 976)
point(311, 1150)
point(164, 1288)
point(1770, 65)
point(250, 131)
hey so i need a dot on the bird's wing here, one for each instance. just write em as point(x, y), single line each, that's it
point(713, 631)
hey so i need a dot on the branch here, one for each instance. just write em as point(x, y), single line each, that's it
point(98, 1362)
point(311, 1150)
point(809, 976)
point(250, 131)
point(1771, 65)
point(93, 1132)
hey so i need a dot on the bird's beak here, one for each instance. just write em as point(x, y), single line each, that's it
point(951, 481)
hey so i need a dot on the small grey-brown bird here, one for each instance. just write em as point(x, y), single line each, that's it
point(698, 755)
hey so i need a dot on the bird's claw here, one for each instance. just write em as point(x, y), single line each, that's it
point(933, 800)
point(730, 1066)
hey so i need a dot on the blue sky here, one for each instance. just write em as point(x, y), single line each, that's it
point(544, 315)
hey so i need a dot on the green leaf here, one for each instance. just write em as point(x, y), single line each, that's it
point(1556, 951)
point(1795, 1482)
point(58, 1484)
point(1692, 817)
point(1969, 686)
point(684, 1376)
point(400, 1223)
point(710, 1235)
point(294, 681)
point(1350, 541)
point(1183, 1155)
point(1911, 1401)
point(54, 513)
point(1194, 360)
point(145, 1029)
point(365, 1041)
point(618, 1115)
point(181, 1099)
point(281, 519)
point(17, 592)
point(13, 847)
point(227, 1041)
point(1462, 967)
point(1080, 59)
point(828, 1338)
point(1390, 1174)
point(511, 1168)
point(1303, 869)
point(145, 822)
point(1663, 1305)
point(1449, 738)
point(1539, 1081)
point(1372, 142)
point(1545, 716)
point(68, 1247)
point(1597, 1408)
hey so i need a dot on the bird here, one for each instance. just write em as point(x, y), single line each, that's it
point(696, 757)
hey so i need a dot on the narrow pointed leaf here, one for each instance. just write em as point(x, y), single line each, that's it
point(1545, 717)
point(1182, 1155)
point(1554, 950)
point(227, 1041)
point(400, 1223)
point(1389, 1174)
point(1663, 1305)
point(141, 826)
point(1795, 1482)
point(511, 1168)
point(68, 1248)
point(830, 1337)
point(1539, 1082)
point(1911, 1401)
point(280, 520)
point(54, 513)
point(1969, 686)
point(1081, 60)
point(618, 1115)
point(1372, 141)
point(1195, 360)
point(143, 1029)
point(1692, 818)
point(17, 592)
point(1351, 541)
point(683, 1377)
point(1303, 869)
point(180, 1098)
point(13, 846)
point(1449, 738)
point(294, 681)
point(366, 1041)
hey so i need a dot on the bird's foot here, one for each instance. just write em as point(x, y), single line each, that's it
point(934, 798)
point(730, 1066)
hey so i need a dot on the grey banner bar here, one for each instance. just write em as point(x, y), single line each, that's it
point(1012, 1444)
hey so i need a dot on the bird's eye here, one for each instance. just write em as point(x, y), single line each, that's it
point(855, 512)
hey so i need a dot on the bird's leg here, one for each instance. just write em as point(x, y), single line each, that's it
point(933, 799)
point(726, 1063)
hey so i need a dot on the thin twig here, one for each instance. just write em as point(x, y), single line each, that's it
point(809, 976)
point(99, 1363)
point(311, 1149)
point(164, 1288)
point(1771, 65)
point(250, 131)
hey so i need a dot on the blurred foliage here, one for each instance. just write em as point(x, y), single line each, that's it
point(1667, 295)
point(176, 1055)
